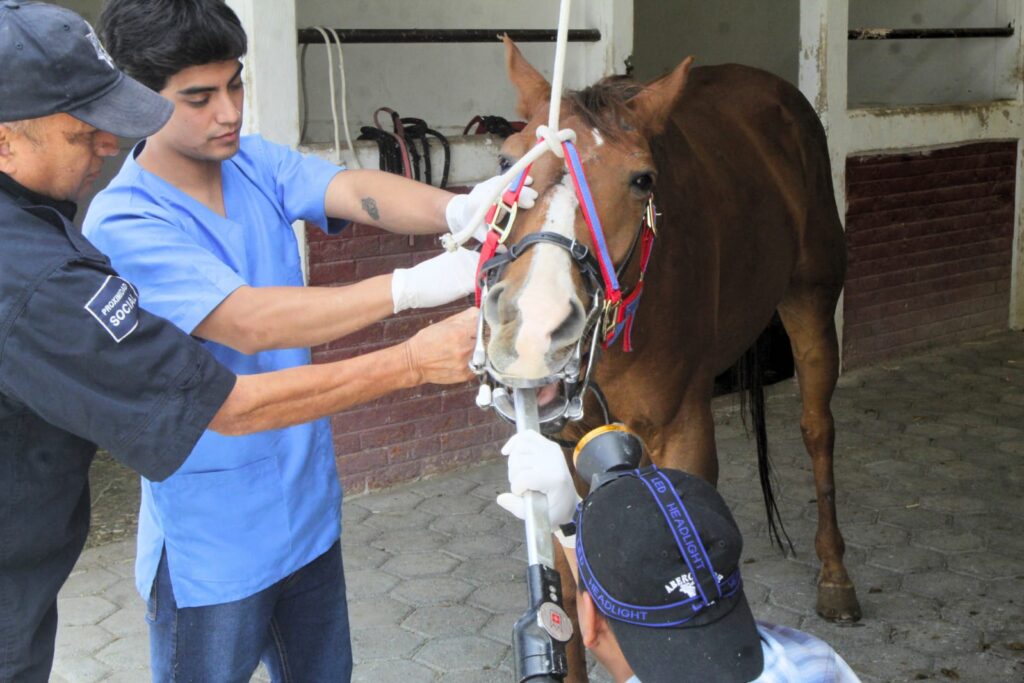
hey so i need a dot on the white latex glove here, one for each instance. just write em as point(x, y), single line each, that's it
point(461, 207)
point(439, 280)
point(538, 464)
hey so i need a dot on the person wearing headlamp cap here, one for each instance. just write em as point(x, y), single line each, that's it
point(656, 554)
point(82, 362)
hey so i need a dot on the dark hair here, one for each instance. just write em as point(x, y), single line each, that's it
point(151, 40)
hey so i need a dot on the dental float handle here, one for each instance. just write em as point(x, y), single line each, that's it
point(540, 635)
point(539, 547)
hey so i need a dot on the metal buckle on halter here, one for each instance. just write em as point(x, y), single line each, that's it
point(651, 215)
point(578, 250)
point(503, 211)
point(610, 318)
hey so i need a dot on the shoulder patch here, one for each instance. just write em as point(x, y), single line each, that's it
point(116, 307)
point(101, 52)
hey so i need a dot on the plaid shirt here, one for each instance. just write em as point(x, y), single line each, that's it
point(792, 656)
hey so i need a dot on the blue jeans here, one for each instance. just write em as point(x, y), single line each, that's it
point(298, 627)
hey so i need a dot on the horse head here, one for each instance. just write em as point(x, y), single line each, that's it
point(552, 294)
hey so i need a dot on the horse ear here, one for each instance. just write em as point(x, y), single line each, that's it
point(534, 90)
point(654, 104)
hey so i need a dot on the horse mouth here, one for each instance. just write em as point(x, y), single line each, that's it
point(552, 404)
point(548, 393)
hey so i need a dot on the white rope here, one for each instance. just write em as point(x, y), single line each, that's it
point(324, 31)
point(550, 140)
point(554, 139)
point(556, 79)
point(334, 104)
point(344, 101)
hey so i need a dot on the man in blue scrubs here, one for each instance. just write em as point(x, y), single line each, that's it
point(82, 362)
point(238, 552)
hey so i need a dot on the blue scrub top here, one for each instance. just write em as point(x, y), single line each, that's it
point(242, 512)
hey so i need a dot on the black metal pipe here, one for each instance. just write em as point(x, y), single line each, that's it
point(928, 33)
point(308, 36)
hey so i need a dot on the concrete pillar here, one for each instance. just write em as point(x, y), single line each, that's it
point(824, 25)
point(271, 77)
point(614, 19)
point(823, 75)
point(1013, 11)
point(271, 69)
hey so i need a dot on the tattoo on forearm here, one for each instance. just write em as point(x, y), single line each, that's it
point(370, 206)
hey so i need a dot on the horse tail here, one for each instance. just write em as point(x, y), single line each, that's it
point(750, 373)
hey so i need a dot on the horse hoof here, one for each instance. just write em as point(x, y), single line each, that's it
point(838, 603)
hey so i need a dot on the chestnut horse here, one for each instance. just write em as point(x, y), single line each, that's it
point(738, 165)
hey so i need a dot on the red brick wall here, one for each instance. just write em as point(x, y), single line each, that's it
point(410, 433)
point(929, 238)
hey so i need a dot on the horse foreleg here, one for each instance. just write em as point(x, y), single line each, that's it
point(688, 442)
point(816, 354)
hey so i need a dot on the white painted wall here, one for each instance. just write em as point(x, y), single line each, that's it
point(271, 79)
point(447, 84)
point(906, 72)
point(88, 9)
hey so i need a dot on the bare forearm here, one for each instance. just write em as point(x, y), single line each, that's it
point(255, 319)
point(288, 397)
point(387, 201)
point(437, 354)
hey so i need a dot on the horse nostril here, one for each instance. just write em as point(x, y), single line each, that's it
point(498, 309)
point(570, 329)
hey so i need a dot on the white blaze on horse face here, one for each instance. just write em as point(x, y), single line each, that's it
point(598, 140)
point(545, 296)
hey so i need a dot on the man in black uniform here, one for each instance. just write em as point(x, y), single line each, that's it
point(81, 362)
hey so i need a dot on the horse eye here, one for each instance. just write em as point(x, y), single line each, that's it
point(643, 183)
point(504, 164)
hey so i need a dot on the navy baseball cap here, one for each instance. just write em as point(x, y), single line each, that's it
point(53, 63)
point(658, 552)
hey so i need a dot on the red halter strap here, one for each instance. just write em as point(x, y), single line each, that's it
point(505, 209)
point(625, 314)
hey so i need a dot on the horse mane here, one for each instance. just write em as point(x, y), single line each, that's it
point(604, 105)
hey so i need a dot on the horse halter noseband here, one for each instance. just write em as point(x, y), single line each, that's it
point(611, 314)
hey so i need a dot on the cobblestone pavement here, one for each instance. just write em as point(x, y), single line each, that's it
point(930, 475)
